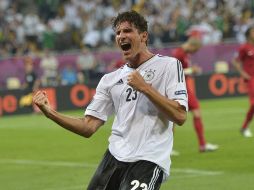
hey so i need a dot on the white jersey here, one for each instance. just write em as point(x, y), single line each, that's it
point(140, 131)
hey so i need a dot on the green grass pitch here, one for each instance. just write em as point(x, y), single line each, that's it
point(37, 154)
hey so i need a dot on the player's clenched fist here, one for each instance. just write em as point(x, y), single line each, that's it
point(136, 81)
point(41, 100)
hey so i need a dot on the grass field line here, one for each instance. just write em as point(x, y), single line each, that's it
point(196, 171)
point(191, 173)
point(182, 173)
point(47, 163)
point(90, 165)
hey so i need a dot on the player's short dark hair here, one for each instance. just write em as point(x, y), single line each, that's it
point(132, 17)
point(247, 32)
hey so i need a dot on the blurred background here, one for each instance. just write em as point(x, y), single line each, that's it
point(71, 42)
point(65, 47)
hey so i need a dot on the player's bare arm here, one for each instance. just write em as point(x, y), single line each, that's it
point(238, 66)
point(172, 109)
point(85, 126)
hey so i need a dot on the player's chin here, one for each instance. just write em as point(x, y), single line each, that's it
point(126, 55)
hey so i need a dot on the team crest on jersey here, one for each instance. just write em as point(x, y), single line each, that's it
point(149, 75)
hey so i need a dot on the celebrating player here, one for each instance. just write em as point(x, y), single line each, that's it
point(182, 53)
point(244, 63)
point(147, 95)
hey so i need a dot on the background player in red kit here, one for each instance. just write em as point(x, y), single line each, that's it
point(244, 63)
point(182, 53)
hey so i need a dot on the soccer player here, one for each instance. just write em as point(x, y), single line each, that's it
point(183, 53)
point(244, 63)
point(147, 95)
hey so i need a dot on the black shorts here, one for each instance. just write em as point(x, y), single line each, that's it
point(112, 174)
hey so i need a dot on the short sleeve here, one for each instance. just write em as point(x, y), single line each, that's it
point(102, 105)
point(176, 86)
point(176, 53)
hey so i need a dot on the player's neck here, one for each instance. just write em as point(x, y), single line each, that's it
point(185, 47)
point(139, 59)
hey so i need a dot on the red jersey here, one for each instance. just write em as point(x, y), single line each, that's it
point(246, 56)
point(182, 56)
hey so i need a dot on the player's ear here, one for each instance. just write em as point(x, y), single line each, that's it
point(144, 37)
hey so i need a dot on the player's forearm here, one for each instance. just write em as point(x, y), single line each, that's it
point(172, 109)
point(76, 125)
point(239, 68)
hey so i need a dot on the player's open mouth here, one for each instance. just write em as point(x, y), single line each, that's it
point(125, 46)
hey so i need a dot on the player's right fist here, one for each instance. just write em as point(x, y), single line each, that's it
point(40, 99)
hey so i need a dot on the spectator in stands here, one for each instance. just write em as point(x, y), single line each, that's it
point(32, 82)
point(69, 75)
point(14, 74)
point(92, 38)
point(47, 9)
point(80, 22)
point(242, 24)
point(86, 64)
point(49, 66)
point(30, 85)
point(107, 33)
point(157, 34)
point(84, 18)
point(48, 38)
point(207, 31)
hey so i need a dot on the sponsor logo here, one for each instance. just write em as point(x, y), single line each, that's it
point(222, 85)
point(119, 82)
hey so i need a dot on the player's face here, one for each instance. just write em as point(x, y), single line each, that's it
point(130, 40)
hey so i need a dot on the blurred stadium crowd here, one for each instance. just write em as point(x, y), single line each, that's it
point(45, 29)
point(31, 26)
